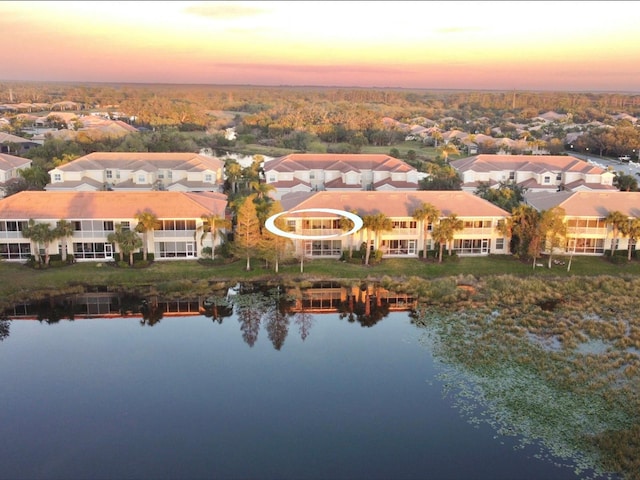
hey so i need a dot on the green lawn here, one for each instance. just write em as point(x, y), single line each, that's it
point(20, 283)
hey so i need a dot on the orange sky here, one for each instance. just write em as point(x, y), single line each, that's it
point(559, 45)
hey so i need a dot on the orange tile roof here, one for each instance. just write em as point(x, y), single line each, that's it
point(9, 162)
point(84, 205)
point(589, 204)
point(143, 160)
point(337, 161)
point(396, 204)
point(526, 163)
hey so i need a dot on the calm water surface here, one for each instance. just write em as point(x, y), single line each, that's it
point(190, 398)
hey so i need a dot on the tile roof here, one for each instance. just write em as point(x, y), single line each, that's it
point(526, 163)
point(147, 161)
point(343, 162)
point(396, 204)
point(589, 204)
point(85, 205)
point(9, 162)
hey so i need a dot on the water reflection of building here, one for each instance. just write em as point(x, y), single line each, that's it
point(331, 297)
point(321, 297)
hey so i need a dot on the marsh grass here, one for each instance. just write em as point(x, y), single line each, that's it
point(566, 375)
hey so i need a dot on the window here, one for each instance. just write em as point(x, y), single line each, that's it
point(125, 226)
point(207, 177)
point(15, 251)
point(108, 174)
point(142, 178)
point(559, 177)
point(547, 179)
point(499, 243)
point(272, 178)
point(512, 175)
point(57, 177)
point(107, 226)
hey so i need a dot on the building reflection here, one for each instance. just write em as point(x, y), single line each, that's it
point(255, 306)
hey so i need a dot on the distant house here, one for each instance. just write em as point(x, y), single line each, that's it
point(131, 171)
point(9, 169)
point(307, 172)
point(587, 231)
point(535, 173)
point(94, 216)
point(15, 145)
point(308, 217)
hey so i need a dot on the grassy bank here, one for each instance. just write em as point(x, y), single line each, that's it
point(20, 283)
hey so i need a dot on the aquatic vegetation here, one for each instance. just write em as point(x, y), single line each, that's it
point(551, 361)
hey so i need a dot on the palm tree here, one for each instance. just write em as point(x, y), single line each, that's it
point(631, 230)
point(444, 232)
point(64, 230)
point(147, 223)
point(448, 149)
point(212, 225)
point(553, 230)
point(128, 241)
point(617, 221)
point(375, 224)
point(346, 224)
point(426, 214)
point(234, 172)
point(40, 234)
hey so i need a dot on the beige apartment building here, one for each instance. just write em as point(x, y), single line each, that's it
point(138, 171)
point(95, 215)
point(479, 236)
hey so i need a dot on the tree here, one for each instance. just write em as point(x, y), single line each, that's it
point(522, 227)
point(213, 225)
point(247, 233)
point(617, 221)
point(147, 223)
point(448, 149)
point(346, 224)
point(64, 230)
point(625, 183)
point(444, 233)
point(426, 214)
point(631, 230)
point(507, 195)
point(553, 230)
point(374, 224)
point(42, 235)
point(274, 247)
point(128, 241)
point(234, 172)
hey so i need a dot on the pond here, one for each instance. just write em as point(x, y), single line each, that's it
point(252, 387)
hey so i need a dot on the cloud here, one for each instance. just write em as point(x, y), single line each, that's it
point(224, 10)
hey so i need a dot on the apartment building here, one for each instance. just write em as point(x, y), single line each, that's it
point(138, 171)
point(308, 172)
point(535, 173)
point(95, 215)
point(585, 212)
point(307, 215)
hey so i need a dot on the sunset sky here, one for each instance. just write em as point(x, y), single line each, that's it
point(560, 45)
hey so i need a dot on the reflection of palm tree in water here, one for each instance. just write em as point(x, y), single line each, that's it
point(151, 313)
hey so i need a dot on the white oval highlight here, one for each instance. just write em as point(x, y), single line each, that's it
point(271, 226)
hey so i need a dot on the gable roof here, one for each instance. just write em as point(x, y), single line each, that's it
point(589, 204)
point(526, 163)
point(9, 162)
point(396, 204)
point(147, 161)
point(336, 161)
point(85, 205)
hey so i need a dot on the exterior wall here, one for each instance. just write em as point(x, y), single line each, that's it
point(176, 239)
point(405, 240)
